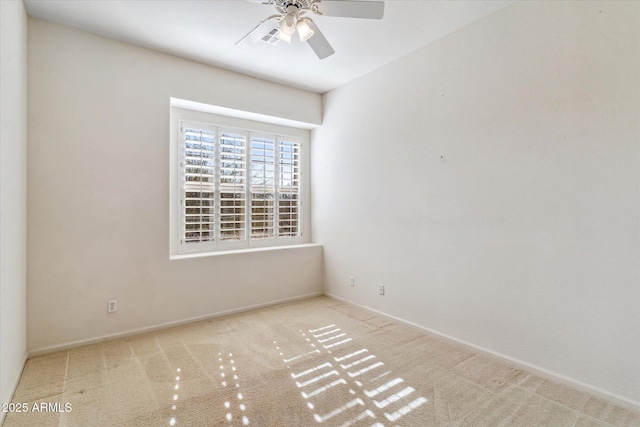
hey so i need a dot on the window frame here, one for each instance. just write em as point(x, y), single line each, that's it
point(252, 129)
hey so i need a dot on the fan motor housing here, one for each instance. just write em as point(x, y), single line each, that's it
point(282, 5)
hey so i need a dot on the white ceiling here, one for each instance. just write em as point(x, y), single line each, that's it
point(207, 30)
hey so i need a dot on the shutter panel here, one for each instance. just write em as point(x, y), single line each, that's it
point(198, 190)
point(233, 185)
point(289, 189)
point(262, 187)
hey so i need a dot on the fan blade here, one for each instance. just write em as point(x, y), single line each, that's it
point(256, 27)
point(351, 9)
point(319, 43)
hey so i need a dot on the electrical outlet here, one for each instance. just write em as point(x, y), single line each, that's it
point(112, 306)
point(381, 289)
point(352, 280)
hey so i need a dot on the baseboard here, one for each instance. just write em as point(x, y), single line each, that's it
point(72, 344)
point(16, 381)
point(537, 370)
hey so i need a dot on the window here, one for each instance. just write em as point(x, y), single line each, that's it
point(237, 187)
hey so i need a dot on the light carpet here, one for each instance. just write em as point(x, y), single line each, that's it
point(315, 362)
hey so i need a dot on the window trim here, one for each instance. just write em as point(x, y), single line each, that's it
point(179, 115)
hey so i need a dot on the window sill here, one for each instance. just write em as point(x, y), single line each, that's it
point(243, 251)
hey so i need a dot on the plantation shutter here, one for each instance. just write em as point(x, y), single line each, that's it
point(263, 187)
point(237, 188)
point(233, 185)
point(289, 189)
point(198, 189)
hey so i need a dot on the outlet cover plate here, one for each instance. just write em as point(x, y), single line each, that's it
point(112, 306)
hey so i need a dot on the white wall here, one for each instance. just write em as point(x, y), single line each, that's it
point(99, 191)
point(13, 194)
point(491, 182)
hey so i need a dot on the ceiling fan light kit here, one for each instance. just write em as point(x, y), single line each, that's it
point(288, 21)
point(291, 17)
point(283, 37)
point(304, 30)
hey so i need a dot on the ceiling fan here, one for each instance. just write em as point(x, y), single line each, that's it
point(292, 18)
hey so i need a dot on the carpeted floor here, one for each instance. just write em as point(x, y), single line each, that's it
point(313, 362)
